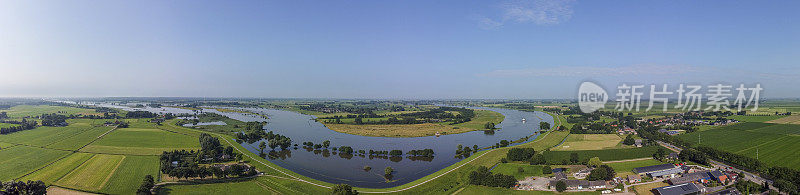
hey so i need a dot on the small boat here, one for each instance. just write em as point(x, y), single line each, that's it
point(523, 120)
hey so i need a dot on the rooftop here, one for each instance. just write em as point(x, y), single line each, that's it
point(681, 189)
point(654, 168)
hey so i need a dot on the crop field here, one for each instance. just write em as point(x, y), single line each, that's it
point(513, 170)
point(29, 110)
point(4, 145)
point(776, 144)
point(79, 140)
point(248, 186)
point(20, 160)
point(794, 119)
point(141, 142)
point(590, 142)
point(55, 171)
point(755, 118)
point(92, 174)
point(558, 157)
point(44, 136)
point(130, 174)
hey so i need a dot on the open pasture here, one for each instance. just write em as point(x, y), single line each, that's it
point(130, 173)
point(141, 142)
point(44, 136)
point(20, 160)
point(513, 170)
point(55, 171)
point(773, 144)
point(794, 119)
point(626, 168)
point(558, 157)
point(30, 110)
point(92, 174)
point(590, 142)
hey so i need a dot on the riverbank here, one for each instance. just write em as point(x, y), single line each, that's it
point(419, 130)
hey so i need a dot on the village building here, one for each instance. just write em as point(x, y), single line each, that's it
point(655, 171)
point(682, 189)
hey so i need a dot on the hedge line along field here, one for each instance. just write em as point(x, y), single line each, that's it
point(4, 145)
point(93, 174)
point(55, 171)
point(6, 125)
point(20, 160)
point(130, 174)
point(139, 141)
point(558, 157)
point(776, 144)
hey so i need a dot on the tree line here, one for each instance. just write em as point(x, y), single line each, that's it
point(19, 187)
point(21, 126)
point(483, 177)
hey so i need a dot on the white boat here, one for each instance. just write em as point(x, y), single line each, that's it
point(523, 120)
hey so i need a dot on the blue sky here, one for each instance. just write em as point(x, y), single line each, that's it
point(391, 49)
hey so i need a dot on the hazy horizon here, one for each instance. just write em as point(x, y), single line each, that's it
point(391, 50)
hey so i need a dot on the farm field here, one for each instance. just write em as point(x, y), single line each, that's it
point(79, 140)
point(590, 142)
point(20, 160)
point(259, 185)
point(55, 171)
point(776, 144)
point(42, 136)
point(794, 119)
point(755, 118)
point(513, 170)
point(4, 145)
point(417, 130)
point(139, 141)
point(130, 173)
point(558, 157)
point(93, 174)
point(30, 110)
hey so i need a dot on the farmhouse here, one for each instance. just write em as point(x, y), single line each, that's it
point(682, 189)
point(634, 178)
point(719, 176)
point(701, 177)
point(664, 170)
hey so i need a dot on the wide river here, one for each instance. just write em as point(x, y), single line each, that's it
point(333, 168)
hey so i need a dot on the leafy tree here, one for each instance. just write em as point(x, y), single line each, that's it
point(603, 172)
point(547, 169)
point(326, 144)
point(561, 186)
point(344, 189)
point(538, 159)
point(544, 125)
point(659, 154)
point(520, 154)
point(262, 146)
point(573, 157)
point(388, 170)
point(595, 161)
point(629, 140)
point(147, 184)
point(483, 177)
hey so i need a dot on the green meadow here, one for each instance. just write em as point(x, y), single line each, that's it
point(31, 110)
point(775, 144)
point(558, 157)
point(60, 168)
point(141, 142)
point(20, 160)
point(513, 169)
point(92, 174)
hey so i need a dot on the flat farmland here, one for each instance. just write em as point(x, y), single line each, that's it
point(776, 144)
point(558, 157)
point(44, 136)
point(92, 174)
point(4, 145)
point(30, 110)
point(55, 171)
point(626, 168)
point(794, 119)
point(20, 160)
point(590, 142)
point(79, 140)
point(139, 141)
point(130, 174)
point(513, 170)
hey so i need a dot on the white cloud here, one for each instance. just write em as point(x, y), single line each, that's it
point(539, 12)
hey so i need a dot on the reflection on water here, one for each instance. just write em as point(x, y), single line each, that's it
point(336, 167)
